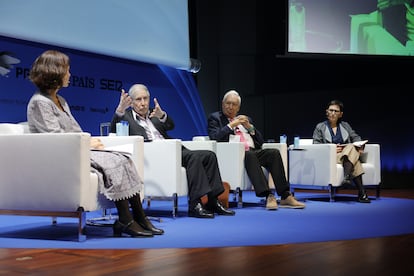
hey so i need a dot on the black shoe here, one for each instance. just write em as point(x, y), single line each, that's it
point(147, 225)
point(220, 209)
point(199, 212)
point(363, 198)
point(132, 228)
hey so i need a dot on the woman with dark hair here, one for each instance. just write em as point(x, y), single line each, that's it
point(335, 131)
point(49, 112)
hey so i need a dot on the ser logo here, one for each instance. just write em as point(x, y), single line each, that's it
point(107, 84)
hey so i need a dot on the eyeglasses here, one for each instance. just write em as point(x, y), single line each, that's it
point(334, 111)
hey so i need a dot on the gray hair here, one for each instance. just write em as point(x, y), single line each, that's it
point(135, 88)
point(232, 92)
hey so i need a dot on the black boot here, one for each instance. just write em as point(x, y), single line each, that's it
point(348, 168)
point(141, 218)
point(362, 195)
point(347, 182)
point(126, 223)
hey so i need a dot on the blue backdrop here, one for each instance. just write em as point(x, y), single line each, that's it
point(94, 88)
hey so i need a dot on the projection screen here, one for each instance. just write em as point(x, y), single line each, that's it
point(154, 31)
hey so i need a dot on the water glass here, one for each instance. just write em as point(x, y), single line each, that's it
point(283, 139)
point(122, 128)
point(296, 141)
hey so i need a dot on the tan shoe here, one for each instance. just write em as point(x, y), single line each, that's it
point(271, 203)
point(291, 202)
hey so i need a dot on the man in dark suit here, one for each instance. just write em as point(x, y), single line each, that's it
point(203, 175)
point(222, 124)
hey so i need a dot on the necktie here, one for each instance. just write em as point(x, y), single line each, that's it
point(242, 138)
point(146, 127)
point(149, 133)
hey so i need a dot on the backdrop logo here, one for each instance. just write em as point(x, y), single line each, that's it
point(7, 60)
point(80, 81)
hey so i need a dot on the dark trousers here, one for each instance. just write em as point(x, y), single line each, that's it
point(270, 159)
point(203, 174)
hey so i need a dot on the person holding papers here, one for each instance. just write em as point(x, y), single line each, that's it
point(349, 145)
point(118, 179)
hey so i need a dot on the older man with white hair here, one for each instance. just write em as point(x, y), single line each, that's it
point(222, 124)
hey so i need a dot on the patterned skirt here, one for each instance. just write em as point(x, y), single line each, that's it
point(118, 177)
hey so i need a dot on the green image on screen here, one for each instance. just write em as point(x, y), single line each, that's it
point(371, 27)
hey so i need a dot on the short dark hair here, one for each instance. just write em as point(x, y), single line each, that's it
point(49, 70)
point(336, 102)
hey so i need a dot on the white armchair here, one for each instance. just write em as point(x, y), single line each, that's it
point(171, 183)
point(230, 157)
point(49, 174)
point(313, 166)
point(165, 178)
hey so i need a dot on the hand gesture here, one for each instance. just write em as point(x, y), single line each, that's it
point(157, 112)
point(96, 143)
point(361, 149)
point(244, 121)
point(125, 101)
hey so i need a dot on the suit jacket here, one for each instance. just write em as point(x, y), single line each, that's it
point(219, 131)
point(321, 134)
point(136, 129)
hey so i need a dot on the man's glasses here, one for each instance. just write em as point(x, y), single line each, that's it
point(334, 111)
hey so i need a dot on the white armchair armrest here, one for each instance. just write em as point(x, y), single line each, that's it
point(201, 145)
point(314, 165)
point(230, 156)
point(164, 174)
point(372, 165)
point(282, 147)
